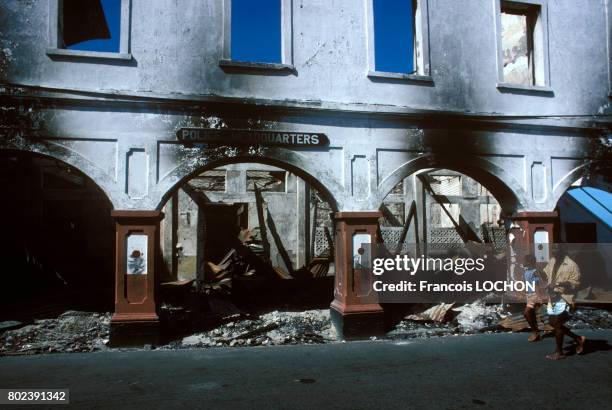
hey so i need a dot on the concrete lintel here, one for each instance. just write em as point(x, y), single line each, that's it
point(231, 65)
point(525, 89)
point(408, 77)
point(61, 52)
point(136, 214)
point(358, 215)
point(535, 215)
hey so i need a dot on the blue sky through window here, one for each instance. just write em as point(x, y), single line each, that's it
point(394, 36)
point(256, 31)
point(112, 13)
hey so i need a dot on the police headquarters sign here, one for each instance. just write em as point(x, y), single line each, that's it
point(251, 137)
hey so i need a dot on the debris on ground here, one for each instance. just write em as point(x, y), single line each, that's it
point(581, 318)
point(476, 316)
point(480, 317)
point(410, 329)
point(72, 331)
point(445, 320)
point(10, 325)
point(518, 323)
point(589, 318)
point(438, 313)
point(76, 331)
point(274, 328)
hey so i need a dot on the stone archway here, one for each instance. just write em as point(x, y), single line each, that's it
point(147, 223)
point(72, 157)
point(590, 168)
point(493, 177)
point(294, 161)
point(292, 225)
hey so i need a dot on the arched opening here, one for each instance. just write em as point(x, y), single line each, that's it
point(443, 206)
point(443, 214)
point(495, 179)
point(585, 209)
point(254, 232)
point(57, 241)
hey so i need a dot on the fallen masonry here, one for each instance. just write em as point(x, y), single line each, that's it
point(76, 331)
point(274, 328)
point(72, 331)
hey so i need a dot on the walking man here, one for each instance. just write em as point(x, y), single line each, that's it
point(535, 297)
point(563, 282)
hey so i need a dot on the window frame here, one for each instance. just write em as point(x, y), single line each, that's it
point(286, 64)
point(55, 35)
point(285, 181)
point(539, 50)
point(422, 71)
point(609, 47)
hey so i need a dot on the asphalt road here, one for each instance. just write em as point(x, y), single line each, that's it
point(481, 371)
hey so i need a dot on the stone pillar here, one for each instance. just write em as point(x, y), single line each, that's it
point(533, 232)
point(135, 320)
point(355, 312)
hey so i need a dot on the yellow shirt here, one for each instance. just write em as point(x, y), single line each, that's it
point(568, 272)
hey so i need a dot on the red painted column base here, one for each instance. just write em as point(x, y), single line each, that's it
point(356, 322)
point(135, 321)
point(355, 312)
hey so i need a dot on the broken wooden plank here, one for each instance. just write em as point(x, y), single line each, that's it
point(439, 313)
point(518, 322)
point(406, 226)
point(176, 289)
point(257, 331)
point(319, 267)
point(281, 273)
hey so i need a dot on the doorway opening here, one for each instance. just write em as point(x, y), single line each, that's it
point(57, 242)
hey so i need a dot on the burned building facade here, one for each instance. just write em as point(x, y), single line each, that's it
point(495, 109)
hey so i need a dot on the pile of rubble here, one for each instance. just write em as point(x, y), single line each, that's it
point(447, 319)
point(590, 319)
point(274, 328)
point(87, 332)
point(70, 332)
point(411, 329)
point(249, 258)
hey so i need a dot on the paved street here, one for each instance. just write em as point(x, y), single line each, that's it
point(481, 371)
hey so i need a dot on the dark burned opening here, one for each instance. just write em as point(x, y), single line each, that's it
point(520, 47)
point(57, 244)
point(250, 234)
point(92, 25)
